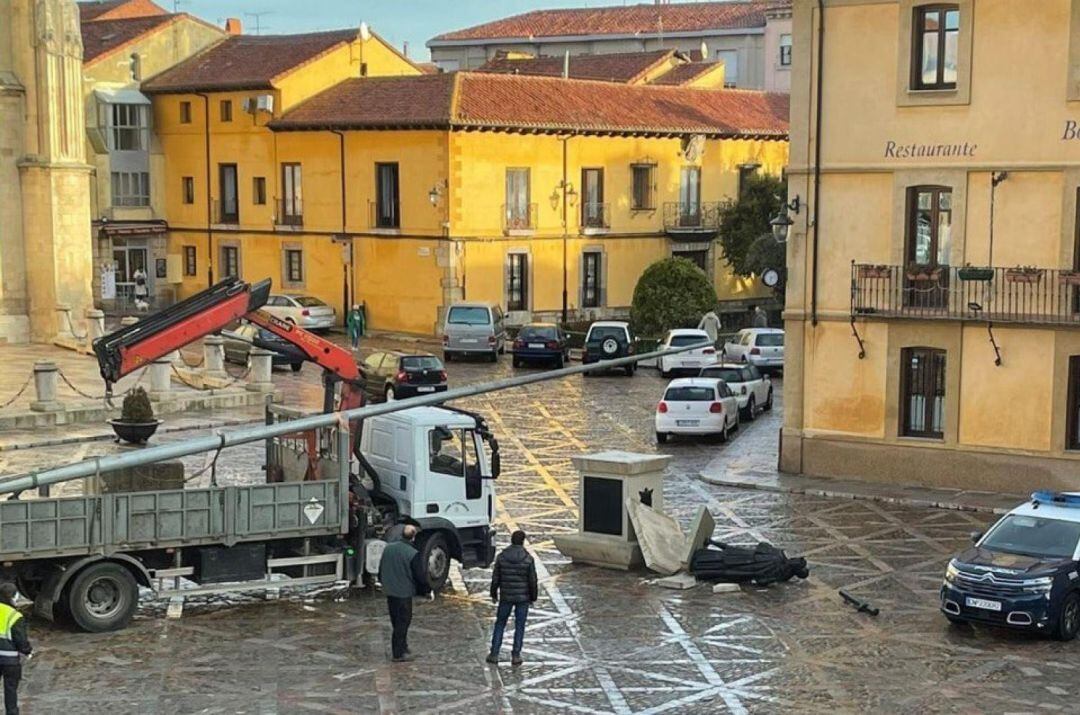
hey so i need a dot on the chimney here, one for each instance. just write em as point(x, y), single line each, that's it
point(233, 26)
point(405, 49)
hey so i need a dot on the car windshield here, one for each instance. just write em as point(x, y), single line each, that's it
point(770, 340)
point(727, 374)
point(689, 393)
point(1034, 536)
point(306, 301)
point(606, 331)
point(420, 362)
point(681, 341)
point(538, 333)
point(463, 315)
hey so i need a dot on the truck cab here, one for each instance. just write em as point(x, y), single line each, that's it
point(438, 467)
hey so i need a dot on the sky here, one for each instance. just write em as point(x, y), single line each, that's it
point(398, 21)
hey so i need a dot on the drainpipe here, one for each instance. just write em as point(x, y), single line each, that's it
point(209, 199)
point(346, 294)
point(817, 159)
point(565, 229)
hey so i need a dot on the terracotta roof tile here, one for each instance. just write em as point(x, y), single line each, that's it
point(103, 36)
point(520, 102)
point(684, 74)
point(246, 62)
point(628, 20)
point(618, 67)
point(117, 10)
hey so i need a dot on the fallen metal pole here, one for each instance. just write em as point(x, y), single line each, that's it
point(221, 440)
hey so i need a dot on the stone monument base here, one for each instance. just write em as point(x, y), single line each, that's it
point(613, 552)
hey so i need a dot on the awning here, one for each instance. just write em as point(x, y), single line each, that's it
point(121, 96)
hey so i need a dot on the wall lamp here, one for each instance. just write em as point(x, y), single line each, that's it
point(571, 194)
point(782, 223)
point(436, 192)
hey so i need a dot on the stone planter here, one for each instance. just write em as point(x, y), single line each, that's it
point(134, 432)
point(971, 273)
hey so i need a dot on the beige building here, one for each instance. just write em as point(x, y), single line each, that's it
point(45, 255)
point(933, 307)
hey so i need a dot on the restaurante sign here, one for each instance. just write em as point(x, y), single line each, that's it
point(894, 150)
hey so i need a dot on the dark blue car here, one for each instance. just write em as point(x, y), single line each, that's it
point(1024, 573)
point(541, 343)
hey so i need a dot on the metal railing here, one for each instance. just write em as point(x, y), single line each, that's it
point(225, 212)
point(289, 212)
point(1029, 295)
point(380, 219)
point(683, 218)
point(518, 217)
point(595, 215)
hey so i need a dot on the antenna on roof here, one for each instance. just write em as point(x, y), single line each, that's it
point(365, 32)
point(258, 19)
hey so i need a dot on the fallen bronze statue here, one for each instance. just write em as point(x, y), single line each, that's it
point(762, 565)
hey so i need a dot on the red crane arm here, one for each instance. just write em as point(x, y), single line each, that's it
point(329, 356)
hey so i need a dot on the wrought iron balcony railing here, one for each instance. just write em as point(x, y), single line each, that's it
point(1028, 295)
point(518, 217)
point(225, 212)
point(595, 216)
point(384, 215)
point(289, 212)
point(692, 220)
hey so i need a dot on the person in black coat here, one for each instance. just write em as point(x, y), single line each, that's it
point(513, 587)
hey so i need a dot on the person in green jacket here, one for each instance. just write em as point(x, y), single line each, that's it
point(402, 575)
point(354, 321)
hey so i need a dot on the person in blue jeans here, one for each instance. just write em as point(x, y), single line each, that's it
point(513, 587)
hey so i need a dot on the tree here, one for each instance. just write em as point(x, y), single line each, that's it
point(745, 234)
point(672, 293)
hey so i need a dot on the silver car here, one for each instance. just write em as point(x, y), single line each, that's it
point(474, 329)
point(304, 310)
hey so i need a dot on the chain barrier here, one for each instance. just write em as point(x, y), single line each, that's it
point(189, 365)
point(20, 392)
point(235, 379)
point(71, 328)
point(88, 396)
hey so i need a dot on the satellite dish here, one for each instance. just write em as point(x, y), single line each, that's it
point(365, 32)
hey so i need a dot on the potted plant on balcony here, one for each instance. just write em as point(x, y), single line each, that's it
point(975, 273)
point(875, 271)
point(920, 272)
point(136, 423)
point(1024, 274)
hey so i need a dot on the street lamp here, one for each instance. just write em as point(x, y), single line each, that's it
point(783, 223)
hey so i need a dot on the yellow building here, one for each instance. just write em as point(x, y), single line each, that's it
point(356, 179)
point(934, 265)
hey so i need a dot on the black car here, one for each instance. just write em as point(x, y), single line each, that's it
point(541, 342)
point(240, 340)
point(396, 375)
point(609, 340)
point(1024, 573)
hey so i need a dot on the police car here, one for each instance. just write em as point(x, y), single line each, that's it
point(1023, 573)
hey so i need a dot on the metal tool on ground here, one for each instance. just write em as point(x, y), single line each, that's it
point(859, 605)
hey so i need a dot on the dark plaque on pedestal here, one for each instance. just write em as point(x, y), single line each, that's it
point(603, 508)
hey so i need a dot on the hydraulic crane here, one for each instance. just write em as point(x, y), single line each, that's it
point(136, 346)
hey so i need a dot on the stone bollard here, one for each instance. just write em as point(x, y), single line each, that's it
point(65, 328)
point(260, 378)
point(95, 326)
point(128, 320)
point(45, 376)
point(160, 379)
point(214, 357)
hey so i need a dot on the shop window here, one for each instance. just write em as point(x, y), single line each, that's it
point(185, 112)
point(935, 47)
point(592, 263)
point(188, 189)
point(922, 393)
point(644, 199)
point(190, 264)
point(517, 282)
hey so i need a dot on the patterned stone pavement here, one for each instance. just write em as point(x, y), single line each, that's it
point(598, 641)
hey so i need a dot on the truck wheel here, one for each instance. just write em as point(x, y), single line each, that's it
point(1069, 620)
point(102, 597)
point(435, 555)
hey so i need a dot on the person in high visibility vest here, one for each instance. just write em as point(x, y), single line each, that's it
point(13, 645)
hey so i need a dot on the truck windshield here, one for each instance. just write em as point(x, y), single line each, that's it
point(1034, 536)
point(463, 315)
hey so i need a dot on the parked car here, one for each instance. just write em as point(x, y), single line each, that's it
point(752, 389)
point(608, 340)
point(241, 339)
point(397, 375)
point(692, 360)
point(474, 329)
point(761, 347)
point(1023, 572)
point(304, 310)
point(696, 406)
point(541, 342)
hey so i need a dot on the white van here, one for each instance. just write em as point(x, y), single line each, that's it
point(474, 329)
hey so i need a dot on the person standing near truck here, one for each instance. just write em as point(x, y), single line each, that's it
point(513, 587)
point(402, 575)
point(14, 644)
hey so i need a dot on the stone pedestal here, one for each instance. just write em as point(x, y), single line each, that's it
point(128, 320)
point(605, 535)
point(214, 357)
point(64, 327)
point(160, 379)
point(260, 379)
point(95, 326)
point(45, 376)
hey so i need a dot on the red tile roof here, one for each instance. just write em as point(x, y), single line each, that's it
point(98, 10)
point(103, 36)
point(628, 20)
point(246, 62)
point(685, 74)
point(462, 100)
point(624, 67)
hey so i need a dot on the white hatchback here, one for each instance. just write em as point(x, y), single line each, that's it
point(761, 347)
point(696, 406)
point(752, 389)
point(304, 310)
point(691, 360)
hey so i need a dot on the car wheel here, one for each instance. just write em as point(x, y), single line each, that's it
point(390, 395)
point(296, 366)
point(724, 435)
point(767, 407)
point(435, 556)
point(661, 438)
point(751, 409)
point(1069, 621)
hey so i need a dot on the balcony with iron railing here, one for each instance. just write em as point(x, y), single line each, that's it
point(692, 221)
point(518, 219)
point(289, 213)
point(384, 217)
point(595, 218)
point(225, 213)
point(1021, 295)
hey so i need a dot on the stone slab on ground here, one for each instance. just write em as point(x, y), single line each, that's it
point(678, 582)
point(611, 552)
point(701, 530)
point(726, 588)
point(660, 536)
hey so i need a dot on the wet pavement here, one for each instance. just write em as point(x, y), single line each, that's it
point(598, 641)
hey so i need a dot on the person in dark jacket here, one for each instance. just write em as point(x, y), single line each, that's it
point(513, 587)
point(402, 575)
point(14, 644)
